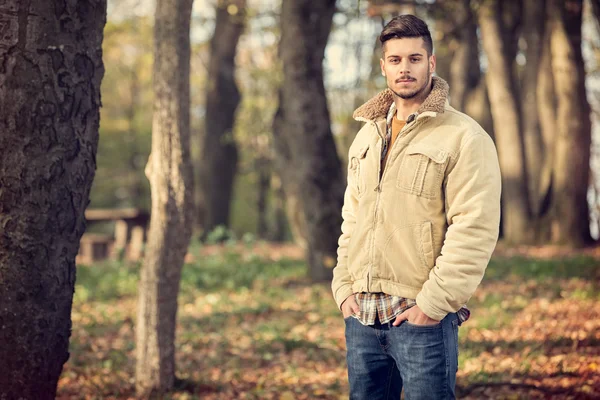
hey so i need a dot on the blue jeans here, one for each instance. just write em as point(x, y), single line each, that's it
point(382, 359)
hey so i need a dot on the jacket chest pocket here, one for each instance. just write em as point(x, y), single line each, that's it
point(358, 169)
point(422, 171)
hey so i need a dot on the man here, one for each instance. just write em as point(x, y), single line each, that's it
point(420, 221)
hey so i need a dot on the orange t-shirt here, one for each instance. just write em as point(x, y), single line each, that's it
point(397, 126)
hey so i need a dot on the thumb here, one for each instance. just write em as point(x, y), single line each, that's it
point(400, 318)
point(355, 308)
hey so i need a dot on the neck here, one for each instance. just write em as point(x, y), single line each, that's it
point(405, 107)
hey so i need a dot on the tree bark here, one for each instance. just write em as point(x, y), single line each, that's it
point(570, 212)
point(222, 98)
point(169, 171)
point(50, 73)
point(305, 149)
point(507, 126)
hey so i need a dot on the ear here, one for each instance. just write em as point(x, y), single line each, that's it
point(381, 64)
point(432, 63)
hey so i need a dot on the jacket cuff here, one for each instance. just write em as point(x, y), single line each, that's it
point(429, 309)
point(342, 294)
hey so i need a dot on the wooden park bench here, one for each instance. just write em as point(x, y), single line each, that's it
point(129, 235)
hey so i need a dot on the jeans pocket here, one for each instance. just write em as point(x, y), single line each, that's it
point(424, 327)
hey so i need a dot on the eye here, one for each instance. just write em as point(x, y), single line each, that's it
point(415, 59)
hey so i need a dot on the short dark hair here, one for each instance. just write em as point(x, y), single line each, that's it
point(407, 26)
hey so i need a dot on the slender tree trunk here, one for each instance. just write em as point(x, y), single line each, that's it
point(170, 173)
point(465, 74)
point(263, 167)
point(222, 98)
point(50, 73)
point(510, 17)
point(570, 212)
point(595, 8)
point(533, 32)
point(278, 234)
point(507, 127)
point(547, 108)
point(479, 108)
point(306, 152)
point(294, 211)
point(458, 46)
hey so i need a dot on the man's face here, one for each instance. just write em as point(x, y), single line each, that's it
point(406, 67)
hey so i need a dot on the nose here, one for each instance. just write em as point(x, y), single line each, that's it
point(405, 66)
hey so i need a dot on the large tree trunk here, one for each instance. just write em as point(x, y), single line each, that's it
point(507, 127)
point(50, 73)
point(570, 214)
point(170, 173)
point(306, 152)
point(222, 98)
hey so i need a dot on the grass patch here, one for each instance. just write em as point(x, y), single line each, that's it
point(541, 269)
point(106, 281)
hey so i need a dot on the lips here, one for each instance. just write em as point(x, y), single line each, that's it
point(405, 80)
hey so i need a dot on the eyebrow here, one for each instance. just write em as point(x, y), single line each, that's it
point(410, 55)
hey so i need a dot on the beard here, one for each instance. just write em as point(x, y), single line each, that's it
point(415, 92)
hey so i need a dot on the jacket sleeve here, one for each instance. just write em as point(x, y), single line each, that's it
point(342, 282)
point(473, 189)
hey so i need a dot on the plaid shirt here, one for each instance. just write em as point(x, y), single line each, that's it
point(386, 308)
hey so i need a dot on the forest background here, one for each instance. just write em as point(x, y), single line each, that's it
point(273, 85)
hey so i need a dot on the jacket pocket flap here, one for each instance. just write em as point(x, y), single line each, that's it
point(437, 155)
point(362, 153)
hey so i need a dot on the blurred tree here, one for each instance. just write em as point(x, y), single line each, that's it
point(570, 212)
point(51, 57)
point(169, 170)
point(358, 35)
point(392, 7)
point(504, 98)
point(541, 120)
point(126, 115)
point(260, 77)
point(306, 156)
point(220, 154)
point(535, 148)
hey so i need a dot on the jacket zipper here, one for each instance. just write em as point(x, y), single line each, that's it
point(378, 190)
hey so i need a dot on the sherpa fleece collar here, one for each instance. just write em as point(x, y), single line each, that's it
point(379, 105)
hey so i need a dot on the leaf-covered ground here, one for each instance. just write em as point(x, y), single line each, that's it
point(252, 327)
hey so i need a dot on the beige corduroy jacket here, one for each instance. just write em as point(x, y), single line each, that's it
point(427, 228)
